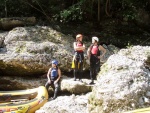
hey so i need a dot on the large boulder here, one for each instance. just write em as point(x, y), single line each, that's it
point(2, 38)
point(123, 82)
point(66, 104)
point(30, 50)
point(75, 87)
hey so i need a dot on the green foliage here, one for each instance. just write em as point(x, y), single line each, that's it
point(129, 45)
point(129, 15)
point(71, 10)
point(13, 8)
point(2, 2)
point(73, 13)
point(128, 9)
point(2, 7)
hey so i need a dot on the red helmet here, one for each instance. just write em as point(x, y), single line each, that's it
point(78, 36)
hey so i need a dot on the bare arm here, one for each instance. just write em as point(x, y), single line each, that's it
point(48, 74)
point(103, 50)
point(88, 53)
point(78, 48)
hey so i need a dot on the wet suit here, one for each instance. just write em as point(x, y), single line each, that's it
point(53, 76)
point(94, 62)
point(79, 58)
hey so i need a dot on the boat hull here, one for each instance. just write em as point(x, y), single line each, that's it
point(25, 103)
point(142, 110)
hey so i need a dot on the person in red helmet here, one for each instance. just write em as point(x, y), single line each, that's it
point(79, 48)
point(53, 76)
point(94, 56)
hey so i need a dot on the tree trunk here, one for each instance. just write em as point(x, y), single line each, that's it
point(107, 8)
point(98, 10)
point(10, 23)
point(5, 8)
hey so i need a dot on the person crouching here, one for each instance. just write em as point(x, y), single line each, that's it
point(53, 76)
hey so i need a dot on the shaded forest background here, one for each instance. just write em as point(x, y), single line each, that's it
point(125, 19)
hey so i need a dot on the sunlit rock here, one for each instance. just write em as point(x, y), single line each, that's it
point(123, 79)
point(28, 51)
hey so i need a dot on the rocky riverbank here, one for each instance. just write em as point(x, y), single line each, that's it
point(123, 79)
point(121, 84)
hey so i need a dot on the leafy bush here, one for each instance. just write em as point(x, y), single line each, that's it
point(73, 13)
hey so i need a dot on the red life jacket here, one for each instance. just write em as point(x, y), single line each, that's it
point(94, 49)
point(79, 44)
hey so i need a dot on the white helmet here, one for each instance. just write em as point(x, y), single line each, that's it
point(95, 39)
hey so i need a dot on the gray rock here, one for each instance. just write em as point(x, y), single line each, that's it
point(66, 104)
point(29, 51)
point(122, 81)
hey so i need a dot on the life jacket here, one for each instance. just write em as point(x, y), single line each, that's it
point(79, 44)
point(94, 53)
point(94, 50)
point(54, 73)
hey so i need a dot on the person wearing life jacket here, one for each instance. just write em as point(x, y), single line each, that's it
point(53, 76)
point(94, 56)
point(79, 48)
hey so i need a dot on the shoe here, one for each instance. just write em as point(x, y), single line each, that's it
point(52, 98)
point(91, 83)
point(80, 80)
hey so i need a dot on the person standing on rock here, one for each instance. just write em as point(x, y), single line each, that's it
point(94, 57)
point(78, 59)
point(53, 76)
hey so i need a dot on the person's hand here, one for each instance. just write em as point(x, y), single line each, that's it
point(49, 81)
point(102, 57)
point(99, 57)
point(83, 48)
point(55, 81)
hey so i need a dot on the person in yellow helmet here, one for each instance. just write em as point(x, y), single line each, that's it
point(94, 56)
point(79, 48)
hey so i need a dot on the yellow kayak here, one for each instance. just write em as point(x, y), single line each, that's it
point(23, 101)
point(142, 110)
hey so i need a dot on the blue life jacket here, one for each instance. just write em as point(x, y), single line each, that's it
point(54, 73)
